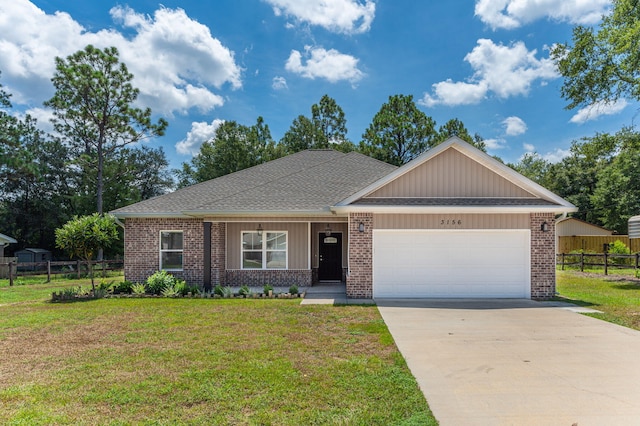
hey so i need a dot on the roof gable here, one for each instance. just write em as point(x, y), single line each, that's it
point(455, 170)
point(450, 174)
point(5, 239)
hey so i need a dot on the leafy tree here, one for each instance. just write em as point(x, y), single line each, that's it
point(536, 168)
point(399, 132)
point(617, 193)
point(602, 65)
point(455, 127)
point(327, 128)
point(83, 237)
point(92, 108)
point(234, 147)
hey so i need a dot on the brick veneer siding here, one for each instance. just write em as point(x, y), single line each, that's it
point(274, 277)
point(543, 254)
point(218, 253)
point(142, 248)
point(360, 275)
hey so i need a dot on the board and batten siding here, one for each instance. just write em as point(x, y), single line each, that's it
point(451, 221)
point(297, 242)
point(576, 227)
point(450, 174)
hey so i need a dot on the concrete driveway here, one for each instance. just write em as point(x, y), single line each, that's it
point(517, 362)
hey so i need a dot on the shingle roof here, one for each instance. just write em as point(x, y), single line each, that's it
point(308, 181)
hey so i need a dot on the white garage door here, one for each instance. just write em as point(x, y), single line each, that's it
point(453, 263)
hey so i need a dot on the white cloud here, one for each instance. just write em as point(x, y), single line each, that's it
point(514, 126)
point(509, 14)
point(528, 147)
point(505, 71)
point(175, 59)
point(495, 143)
point(557, 155)
point(279, 83)
point(340, 16)
point(599, 109)
point(328, 64)
point(200, 133)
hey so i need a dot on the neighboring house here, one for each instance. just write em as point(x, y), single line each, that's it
point(5, 240)
point(453, 222)
point(572, 226)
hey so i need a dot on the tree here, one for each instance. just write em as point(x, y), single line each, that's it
point(602, 65)
point(326, 129)
point(234, 147)
point(92, 108)
point(455, 127)
point(533, 166)
point(617, 192)
point(399, 132)
point(83, 237)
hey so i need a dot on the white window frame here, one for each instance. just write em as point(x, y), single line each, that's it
point(161, 250)
point(264, 250)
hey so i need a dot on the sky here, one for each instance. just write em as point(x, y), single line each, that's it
point(199, 63)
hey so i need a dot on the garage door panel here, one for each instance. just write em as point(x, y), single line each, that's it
point(427, 263)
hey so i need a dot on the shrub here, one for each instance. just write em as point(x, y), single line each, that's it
point(293, 289)
point(138, 288)
point(227, 292)
point(618, 247)
point(181, 287)
point(267, 288)
point(218, 290)
point(123, 287)
point(170, 291)
point(157, 282)
point(244, 291)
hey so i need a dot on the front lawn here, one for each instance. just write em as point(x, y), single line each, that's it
point(617, 297)
point(199, 361)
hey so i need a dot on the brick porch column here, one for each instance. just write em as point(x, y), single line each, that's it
point(218, 253)
point(543, 256)
point(360, 274)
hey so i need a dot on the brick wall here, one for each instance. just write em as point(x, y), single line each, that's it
point(274, 277)
point(543, 265)
point(360, 276)
point(142, 248)
point(218, 253)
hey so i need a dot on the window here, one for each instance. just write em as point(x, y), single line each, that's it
point(267, 250)
point(171, 250)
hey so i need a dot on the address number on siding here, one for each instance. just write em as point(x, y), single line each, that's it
point(450, 222)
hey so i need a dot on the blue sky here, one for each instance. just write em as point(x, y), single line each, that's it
point(485, 62)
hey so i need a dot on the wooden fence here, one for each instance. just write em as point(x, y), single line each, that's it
point(594, 243)
point(604, 260)
point(76, 268)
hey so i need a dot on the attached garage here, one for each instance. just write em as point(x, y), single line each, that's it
point(451, 263)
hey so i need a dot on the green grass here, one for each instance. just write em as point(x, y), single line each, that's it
point(617, 297)
point(199, 361)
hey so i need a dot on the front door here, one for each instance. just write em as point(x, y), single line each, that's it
point(330, 266)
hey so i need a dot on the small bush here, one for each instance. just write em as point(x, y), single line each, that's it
point(157, 282)
point(293, 289)
point(244, 291)
point(218, 290)
point(181, 287)
point(138, 288)
point(267, 288)
point(170, 291)
point(227, 292)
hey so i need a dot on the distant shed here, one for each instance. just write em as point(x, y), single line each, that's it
point(573, 227)
point(33, 255)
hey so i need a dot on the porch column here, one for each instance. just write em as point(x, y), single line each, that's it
point(543, 256)
point(360, 274)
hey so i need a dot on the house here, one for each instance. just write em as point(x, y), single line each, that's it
point(571, 226)
point(5, 240)
point(454, 222)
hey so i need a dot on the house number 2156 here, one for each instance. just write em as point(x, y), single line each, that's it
point(450, 222)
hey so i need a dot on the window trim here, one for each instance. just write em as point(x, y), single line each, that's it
point(161, 250)
point(264, 250)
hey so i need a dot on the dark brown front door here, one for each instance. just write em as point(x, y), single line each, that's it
point(330, 266)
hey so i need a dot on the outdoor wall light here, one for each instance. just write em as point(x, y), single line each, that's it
point(361, 227)
point(545, 227)
point(259, 230)
point(327, 231)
